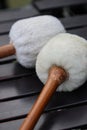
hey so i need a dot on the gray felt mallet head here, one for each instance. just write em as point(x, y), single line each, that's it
point(28, 36)
point(61, 63)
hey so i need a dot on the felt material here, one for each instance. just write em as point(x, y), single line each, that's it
point(69, 52)
point(30, 35)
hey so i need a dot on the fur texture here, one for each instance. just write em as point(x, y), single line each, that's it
point(29, 36)
point(68, 51)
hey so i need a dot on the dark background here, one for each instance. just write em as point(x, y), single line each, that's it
point(13, 3)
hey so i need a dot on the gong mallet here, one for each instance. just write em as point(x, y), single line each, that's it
point(28, 36)
point(61, 65)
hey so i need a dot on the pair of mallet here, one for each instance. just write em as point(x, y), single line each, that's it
point(61, 62)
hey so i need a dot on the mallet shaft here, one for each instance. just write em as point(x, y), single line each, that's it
point(7, 50)
point(56, 77)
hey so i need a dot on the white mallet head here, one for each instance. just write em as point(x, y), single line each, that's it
point(69, 52)
point(30, 35)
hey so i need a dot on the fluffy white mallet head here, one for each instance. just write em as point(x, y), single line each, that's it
point(69, 52)
point(29, 36)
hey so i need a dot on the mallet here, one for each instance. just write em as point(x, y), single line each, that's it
point(28, 36)
point(61, 63)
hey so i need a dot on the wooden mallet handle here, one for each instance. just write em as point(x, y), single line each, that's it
point(7, 50)
point(56, 77)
